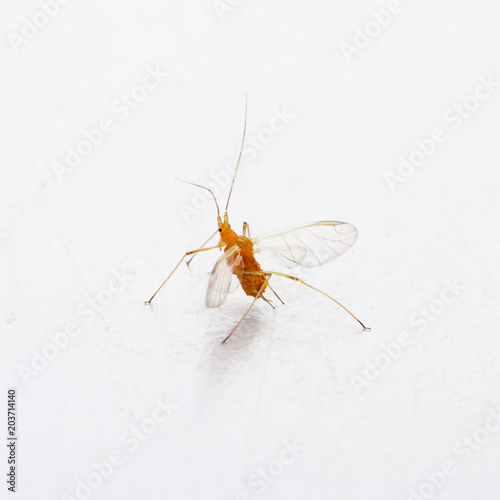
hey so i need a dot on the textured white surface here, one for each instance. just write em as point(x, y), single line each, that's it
point(287, 375)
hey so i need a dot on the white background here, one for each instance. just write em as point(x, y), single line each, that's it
point(286, 376)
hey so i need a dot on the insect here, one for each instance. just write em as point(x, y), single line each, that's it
point(308, 245)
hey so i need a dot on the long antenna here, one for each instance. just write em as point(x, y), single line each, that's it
point(202, 187)
point(241, 151)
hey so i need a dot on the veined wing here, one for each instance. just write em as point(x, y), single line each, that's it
point(221, 280)
point(307, 245)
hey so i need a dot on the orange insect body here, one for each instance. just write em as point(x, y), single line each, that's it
point(252, 284)
point(309, 245)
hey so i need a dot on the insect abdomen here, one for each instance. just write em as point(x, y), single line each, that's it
point(251, 283)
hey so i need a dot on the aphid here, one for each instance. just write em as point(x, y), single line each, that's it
point(306, 245)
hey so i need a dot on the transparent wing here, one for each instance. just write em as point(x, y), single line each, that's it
point(287, 256)
point(307, 245)
point(221, 280)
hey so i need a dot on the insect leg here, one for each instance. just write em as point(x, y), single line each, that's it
point(279, 298)
point(187, 254)
point(246, 230)
point(259, 294)
point(268, 301)
point(294, 278)
point(202, 246)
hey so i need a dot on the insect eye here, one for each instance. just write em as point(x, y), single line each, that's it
point(220, 230)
